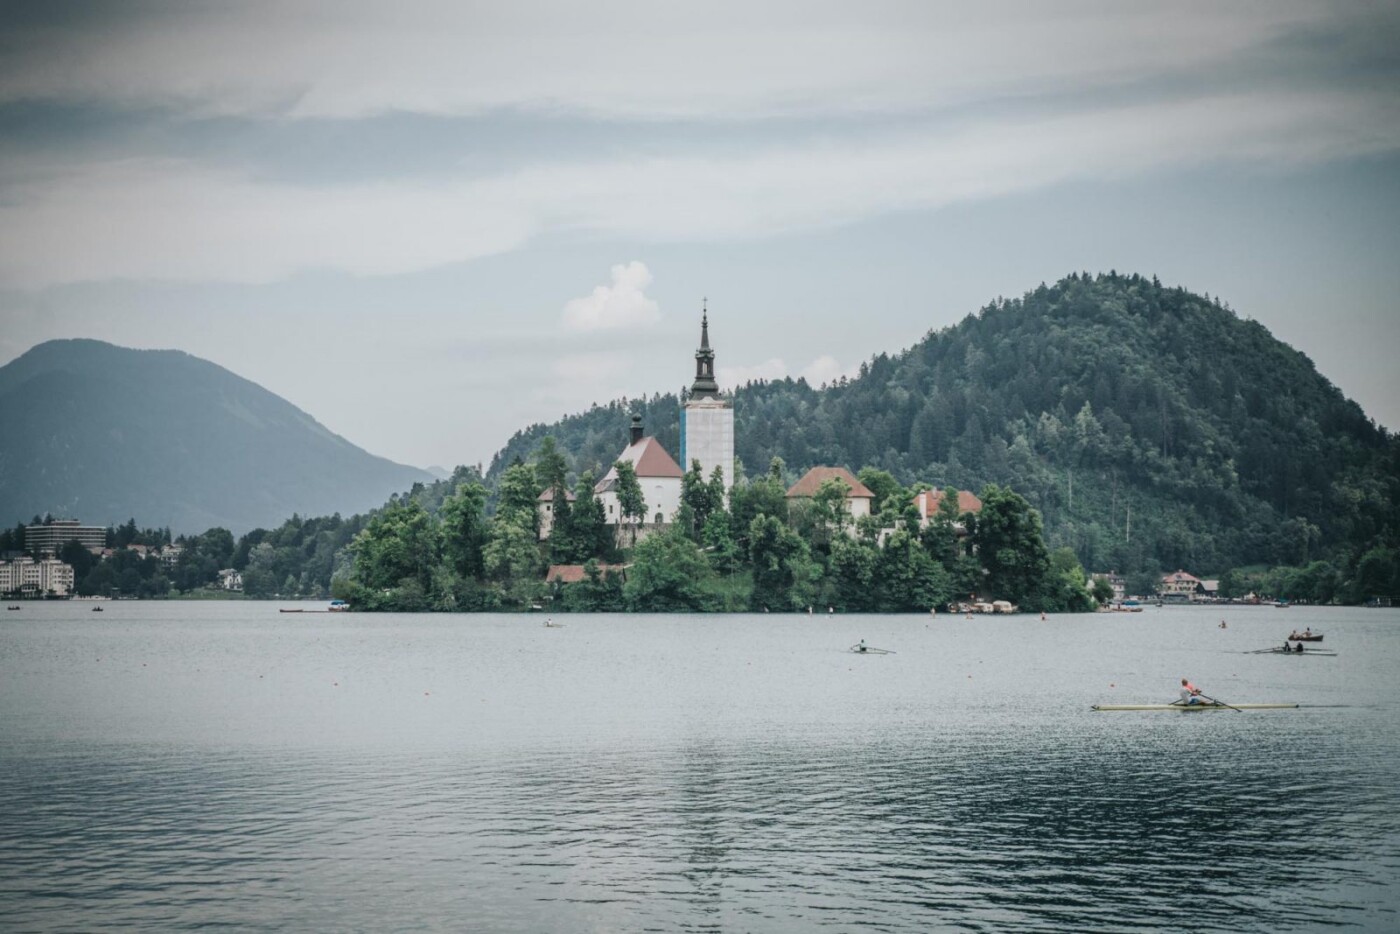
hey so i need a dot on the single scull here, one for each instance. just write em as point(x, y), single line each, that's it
point(1191, 707)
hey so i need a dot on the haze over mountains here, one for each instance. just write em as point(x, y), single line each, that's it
point(103, 433)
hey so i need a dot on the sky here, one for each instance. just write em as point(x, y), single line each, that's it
point(431, 225)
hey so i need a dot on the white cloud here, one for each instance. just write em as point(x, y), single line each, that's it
point(620, 305)
point(824, 369)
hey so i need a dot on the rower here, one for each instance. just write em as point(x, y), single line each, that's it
point(1299, 648)
point(860, 646)
point(1190, 694)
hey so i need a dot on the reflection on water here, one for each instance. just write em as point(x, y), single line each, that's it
point(544, 785)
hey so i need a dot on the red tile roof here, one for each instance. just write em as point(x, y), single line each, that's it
point(967, 502)
point(573, 573)
point(815, 477)
point(648, 458)
point(548, 495)
point(1179, 577)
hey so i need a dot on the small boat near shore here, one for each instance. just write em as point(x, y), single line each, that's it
point(1187, 708)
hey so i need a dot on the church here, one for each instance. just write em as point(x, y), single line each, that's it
point(707, 436)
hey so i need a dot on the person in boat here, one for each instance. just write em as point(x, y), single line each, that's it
point(1299, 648)
point(860, 646)
point(1307, 632)
point(1190, 694)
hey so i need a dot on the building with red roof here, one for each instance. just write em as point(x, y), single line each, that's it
point(657, 472)
point(928, 501)
point(858, 495)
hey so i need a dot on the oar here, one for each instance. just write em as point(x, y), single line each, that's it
point(1221, 703)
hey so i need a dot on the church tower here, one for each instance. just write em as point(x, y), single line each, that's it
point(707, 418)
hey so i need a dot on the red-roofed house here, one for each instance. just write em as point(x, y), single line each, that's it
point(928, 501)
point(1178, 585)
point(573, 573)
point(858, 495)
point(658, 474)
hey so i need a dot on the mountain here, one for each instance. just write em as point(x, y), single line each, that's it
point(1154, 428)
point(103, 433)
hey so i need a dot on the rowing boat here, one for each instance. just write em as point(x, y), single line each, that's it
point(1190, 707)
point(1280, 651)
point(870, 650)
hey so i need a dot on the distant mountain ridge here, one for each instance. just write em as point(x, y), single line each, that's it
point(1153, 427)
point(104, 433)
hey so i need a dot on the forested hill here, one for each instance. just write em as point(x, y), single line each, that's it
point(1153, 428)
point(103, 433)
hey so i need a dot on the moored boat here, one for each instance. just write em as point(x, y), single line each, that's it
point(1177, 705)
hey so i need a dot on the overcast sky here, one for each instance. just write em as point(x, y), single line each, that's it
point(431, 225)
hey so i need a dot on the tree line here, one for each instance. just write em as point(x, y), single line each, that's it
point(752, 550)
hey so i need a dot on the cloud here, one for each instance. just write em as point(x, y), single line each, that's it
point(620, 305)
point(824, 369)
point(179, 220)
point(724, 60)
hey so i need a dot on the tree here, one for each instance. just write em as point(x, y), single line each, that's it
point(783, 571)
point(599, 592)
point(698, 495)
point(551, 469)
point(400, 544)
point(519, 493)
point(886, 488)
point(1011, 548)
point(630, 504)
point(1103, 591)
point(464, 530)
point(668, 574)
point(512, 560)
point(1067, 590)
point(850, 579)
point(721, 549)
point(588, 534)
point(906, 579)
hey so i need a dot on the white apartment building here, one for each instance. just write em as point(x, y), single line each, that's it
point(36, 578)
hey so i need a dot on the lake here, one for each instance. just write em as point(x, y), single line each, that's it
point(178, 765)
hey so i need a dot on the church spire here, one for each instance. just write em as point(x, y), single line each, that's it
point(704, 386)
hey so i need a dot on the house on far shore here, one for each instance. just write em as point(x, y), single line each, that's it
point(927, 502)
point(1116, 581)
point(858, 496)
point(1178, 587)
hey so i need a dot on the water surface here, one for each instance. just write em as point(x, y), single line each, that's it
point(174, 765)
